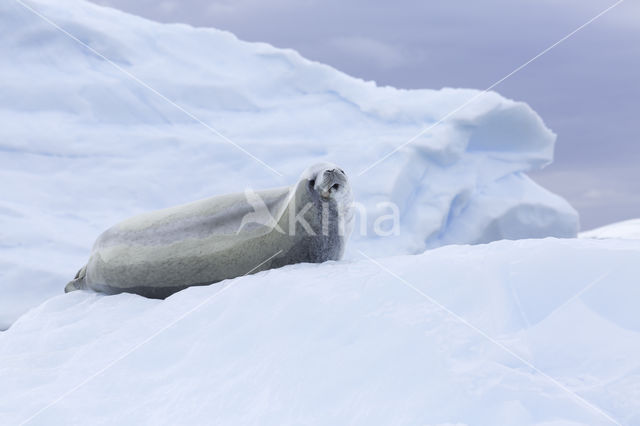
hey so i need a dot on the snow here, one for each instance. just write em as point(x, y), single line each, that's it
point(627, 229)
point(528, 331)
point(348, 343)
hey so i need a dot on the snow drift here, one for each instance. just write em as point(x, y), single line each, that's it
point(88, 139)
point(626, 230)
point(512, 332)
point(348, 343)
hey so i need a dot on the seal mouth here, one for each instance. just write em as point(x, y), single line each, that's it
point(333, 188)
point(332, 182)
point(327, 182)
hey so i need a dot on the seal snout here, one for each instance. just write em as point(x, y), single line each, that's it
point(332, 181)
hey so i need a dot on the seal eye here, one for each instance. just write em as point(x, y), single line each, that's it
point(312, 183)
point(335, 186)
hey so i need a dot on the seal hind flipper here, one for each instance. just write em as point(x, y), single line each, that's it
point(78, 281)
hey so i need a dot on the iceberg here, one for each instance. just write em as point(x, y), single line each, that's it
point(106, 115)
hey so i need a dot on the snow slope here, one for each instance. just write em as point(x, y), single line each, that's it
point(626, 230)
point(348, 343)
point(85, 144)
point(513, 332)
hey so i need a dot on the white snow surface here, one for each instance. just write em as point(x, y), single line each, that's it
point(86, 142)
point(626, 230)
point(522, 332)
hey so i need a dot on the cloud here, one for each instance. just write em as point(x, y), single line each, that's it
point(370, 51)
point(601, 195)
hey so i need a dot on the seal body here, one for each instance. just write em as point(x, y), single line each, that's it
point(159, 253)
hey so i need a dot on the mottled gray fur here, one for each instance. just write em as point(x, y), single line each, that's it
point(159, 253)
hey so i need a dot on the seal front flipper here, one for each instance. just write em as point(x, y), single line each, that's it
point(78, 282)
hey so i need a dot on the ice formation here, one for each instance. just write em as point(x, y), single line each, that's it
point(512, 332)
point(348, 343)
point(90, 137)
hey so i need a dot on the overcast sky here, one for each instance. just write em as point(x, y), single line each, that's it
point(587, 89)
